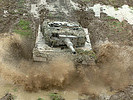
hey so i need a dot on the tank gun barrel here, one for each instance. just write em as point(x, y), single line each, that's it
point(69, 45)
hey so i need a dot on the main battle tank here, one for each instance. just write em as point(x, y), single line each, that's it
point(57, 38)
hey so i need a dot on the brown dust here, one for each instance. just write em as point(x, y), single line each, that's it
point(113, 70)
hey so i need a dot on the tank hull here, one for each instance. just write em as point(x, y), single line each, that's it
point(42, 52)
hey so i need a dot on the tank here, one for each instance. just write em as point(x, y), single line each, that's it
point(56, 38)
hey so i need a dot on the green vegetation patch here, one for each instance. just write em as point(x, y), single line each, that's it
point(116, 26)
point(23, 28)
point(40, 99)
point(112, 1)
point(21, 3)
point(55, 96)
point(15, 90)
point(109, 18)
point(116, 8)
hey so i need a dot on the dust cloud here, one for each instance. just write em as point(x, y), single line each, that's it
point(113, 70)
point(17, 69)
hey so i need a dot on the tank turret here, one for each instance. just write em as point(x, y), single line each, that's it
point(63, 34)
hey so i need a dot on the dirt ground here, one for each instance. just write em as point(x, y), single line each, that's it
point(11, 12)
point(105, 28)
point(115, 3)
